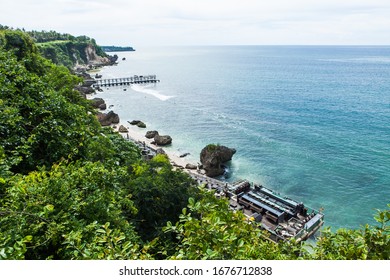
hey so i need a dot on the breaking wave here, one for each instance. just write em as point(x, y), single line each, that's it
point(153, 92)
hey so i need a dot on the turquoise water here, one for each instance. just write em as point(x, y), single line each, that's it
point(312, 122)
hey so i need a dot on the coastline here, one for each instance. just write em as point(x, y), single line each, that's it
point(258, 203)
point(137, 134)
point(176, 159)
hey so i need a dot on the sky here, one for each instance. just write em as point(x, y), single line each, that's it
point(207, 22)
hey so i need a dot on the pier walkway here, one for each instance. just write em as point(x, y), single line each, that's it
point(126, 81)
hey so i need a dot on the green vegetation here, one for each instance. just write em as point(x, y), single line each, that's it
point(212, 147)
point(65, 49)
point(70, 189)
point(117, 49)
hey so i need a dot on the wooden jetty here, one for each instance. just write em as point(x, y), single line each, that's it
point(126, 81)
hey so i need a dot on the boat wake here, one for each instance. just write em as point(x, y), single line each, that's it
point(153, 92)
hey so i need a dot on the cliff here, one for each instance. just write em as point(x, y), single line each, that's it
point(73, 52)
point(75, 55)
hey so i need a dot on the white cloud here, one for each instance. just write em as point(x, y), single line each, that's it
point(144, 22)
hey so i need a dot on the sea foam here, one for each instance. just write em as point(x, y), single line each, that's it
point(153, 92)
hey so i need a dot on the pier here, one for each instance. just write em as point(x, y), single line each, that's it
point(126, 81)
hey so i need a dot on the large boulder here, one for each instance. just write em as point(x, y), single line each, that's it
point(107, 119)
point(212, 158)
point(138, 123)
point(84, 90)
point(141, 125)
point(97, 102)
point(123, 129)
point(134, 122)
point(151, 134)
point(162, 140)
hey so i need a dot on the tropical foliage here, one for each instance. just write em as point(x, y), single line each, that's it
point(70, 189)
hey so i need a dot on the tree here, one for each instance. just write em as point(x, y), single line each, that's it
point(368, 243)
point(47, 210)
point(160, 193)
point(209, 230)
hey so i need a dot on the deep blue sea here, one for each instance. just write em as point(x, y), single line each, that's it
point(311, 122)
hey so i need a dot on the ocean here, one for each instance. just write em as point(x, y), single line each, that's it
point(310, 122)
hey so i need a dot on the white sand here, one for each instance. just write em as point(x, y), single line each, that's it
point(138, 134)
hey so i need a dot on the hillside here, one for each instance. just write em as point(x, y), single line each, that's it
point(73, 52)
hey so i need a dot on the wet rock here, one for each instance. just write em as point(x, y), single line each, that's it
point(107, 119)
point(162, 140)
point(84, 90)
point(141, 125)
point(123, 129)
point(151, 134)
point(212, 158)
point(97, 102)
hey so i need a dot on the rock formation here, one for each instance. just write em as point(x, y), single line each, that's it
point(151, 134)
point(84, 90)
point(94, 60)
point(97, 102)
point(134, 122)
point(138, 123)
point(162, 140)
point(107, 119)
point(213, 156)
point(141, 125)
point(123, 129)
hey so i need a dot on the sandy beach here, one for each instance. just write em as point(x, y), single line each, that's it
point(137, 134)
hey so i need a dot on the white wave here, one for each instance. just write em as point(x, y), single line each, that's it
point(153, 92)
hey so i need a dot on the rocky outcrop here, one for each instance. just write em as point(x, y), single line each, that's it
point(84, 90)
point(94, 60)
point(191, 166)
point(162, 140)
point(213, 156)
point(138, 123)
point(134, 122)
point(151, 134)
point(99, 103)
point(141, 125)
point(109, 118)
point(123, 129)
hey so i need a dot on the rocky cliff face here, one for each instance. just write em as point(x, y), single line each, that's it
point(95, 60)
point(79, 56)
point(90, 59)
